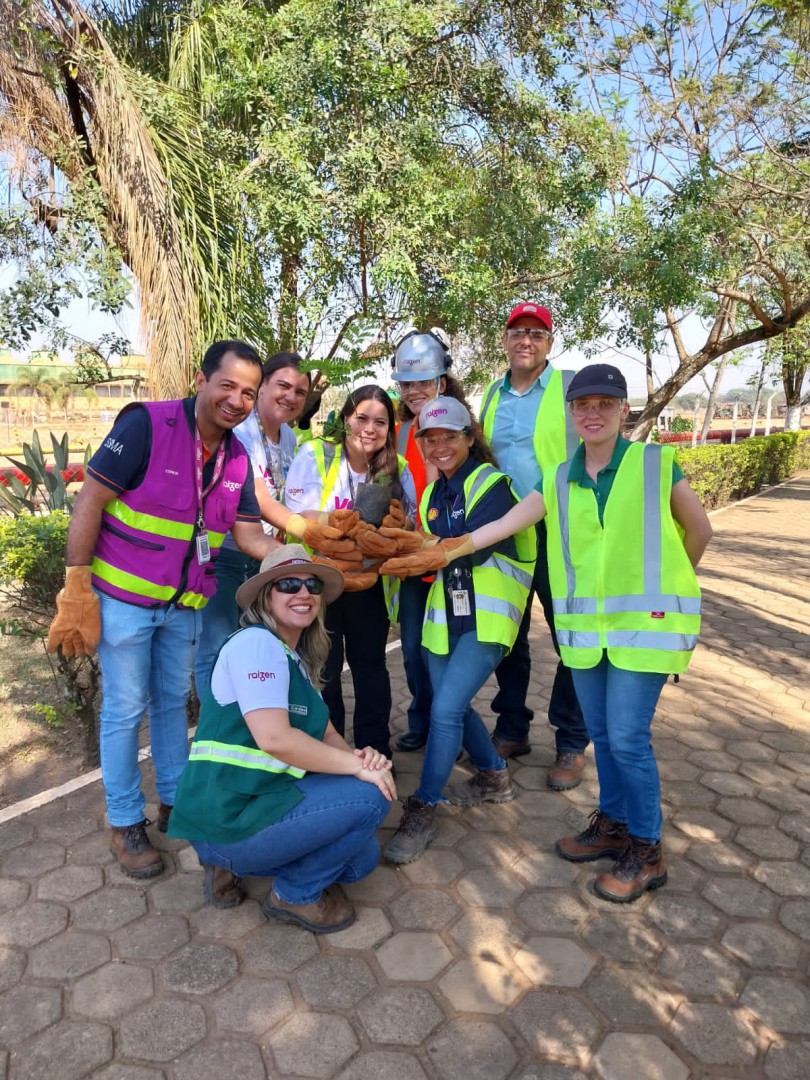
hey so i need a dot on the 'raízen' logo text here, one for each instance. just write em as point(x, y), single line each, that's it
point(231, 485)
point(435, 412)
point(261, 675)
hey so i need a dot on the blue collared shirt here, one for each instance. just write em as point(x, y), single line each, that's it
point(513, 431)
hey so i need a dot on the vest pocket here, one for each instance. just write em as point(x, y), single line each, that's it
point(136, 541)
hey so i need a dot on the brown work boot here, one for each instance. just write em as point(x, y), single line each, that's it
point(416, 830)
point(163, 817)
point(566, 772)
point(507, 748)
point(602, 838)
point(488, 785)
point(640, 867)
point(222, 888)
point(133, 849)
point(324, 916)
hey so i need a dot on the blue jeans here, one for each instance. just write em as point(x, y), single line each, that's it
point(412, 599)
point(329, 836)
point(618, 707)
point(147, 657)
point(220, 616)
point(457, 677)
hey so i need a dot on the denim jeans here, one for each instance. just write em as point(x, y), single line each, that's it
point(457, 677)
point(329, 836)
point(147, 657)
point(618, 707)
point(220, 616)
point(412, 599)
point(514, 671)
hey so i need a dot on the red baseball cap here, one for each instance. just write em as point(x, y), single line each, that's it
point(535, 311)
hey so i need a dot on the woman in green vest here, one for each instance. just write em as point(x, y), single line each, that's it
point(625, 533)
point(271, 789)
point(472, 617)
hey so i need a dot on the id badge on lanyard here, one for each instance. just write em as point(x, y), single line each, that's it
point(201, 532)
point(459, 597)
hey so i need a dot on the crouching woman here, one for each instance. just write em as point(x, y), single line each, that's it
point(271, 789)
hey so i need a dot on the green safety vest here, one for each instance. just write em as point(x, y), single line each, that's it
point(555, 437)
point(627, 585)
point(501, 584)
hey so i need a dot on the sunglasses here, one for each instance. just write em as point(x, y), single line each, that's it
point(294, 584)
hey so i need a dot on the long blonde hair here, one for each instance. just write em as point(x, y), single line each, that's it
point(313, 645)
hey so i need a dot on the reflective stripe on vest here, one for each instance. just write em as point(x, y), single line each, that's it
point(653, 624)
point(555, 437)
point(402, 437)
point(122, 579)
point(177, 530)
point(241, 757)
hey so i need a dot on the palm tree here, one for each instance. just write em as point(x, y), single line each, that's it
point(132, 151)
point(34, 384)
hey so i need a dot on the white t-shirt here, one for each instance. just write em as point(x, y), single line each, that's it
point(304, 489)
point(270, 462)
point(253, 671)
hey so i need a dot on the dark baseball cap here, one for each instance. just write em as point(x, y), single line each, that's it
point(597, 379)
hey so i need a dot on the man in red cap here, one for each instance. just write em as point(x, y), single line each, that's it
point(526, 421)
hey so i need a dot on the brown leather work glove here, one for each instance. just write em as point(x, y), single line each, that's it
point(375, 545)
point(344, 565)
point(358, 581)
point(429, 559)
point(76, 629)
point(396, 518)
point(327, 539)
point(344, 520)
point(408, 541)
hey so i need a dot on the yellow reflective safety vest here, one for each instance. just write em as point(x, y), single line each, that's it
point(555, 437)
point(626, 585)
point(501, 584)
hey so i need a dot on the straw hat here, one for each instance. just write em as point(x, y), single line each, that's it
point(280, 563)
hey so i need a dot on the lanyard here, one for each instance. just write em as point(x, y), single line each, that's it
point(276, 462)
point(198, 462)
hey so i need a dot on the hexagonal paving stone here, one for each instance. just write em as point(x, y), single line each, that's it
point(368, 931)
point(118, 1070)
point(687, 798)
point(109, 909)
point(335, 982)
point(720, 858)
point(199, 968)
point(795, 915)
point(67, 826)
point(252, 1006)
point(788, 1061)
point(785, 798)
point(277, 948)
point(312, 1044)
point(782, 1004)
point(620, 1049)
point(730, 784)
point(546, 870)
point(436, 867)
point(703, 825)
point(399, 1014)
point(33, 860)
point(68, 956)
point(551, 912)
point(715, 1034)
point(539, 804)
point(69, 883)
point(424, 909)
point(151, 938)
point(91, 850)
point(162, 1031)
point(628, 996)
point(796, 825)
point(677, 915)
point(179, 893)
point(26, 1010)
point(769, 843)
point(12, 966)
point(554, 962)
point(739, 896)
point(379, 887)
point(68, 1050)
point(785, 878)
point(112, 991)
point(483, 933)
point(619, 937)
point(747, 811)
point(12, 894)
point(762, 945)
point(556, 1025)
point(231, 923)
point(487, 849)
point(490, 887)
point(16, 832)
point(30, 925)
point(551, 1072)
point(383, 1065)
point(224, 1058)
point(471, 1050)
point(701, 970)
point(412, 956)
point(481, 986)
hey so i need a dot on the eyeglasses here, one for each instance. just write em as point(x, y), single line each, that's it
point(516, 332)
point(583, 406)
point(419, 384)
point(294, 585)
point(441, 440)
point(366, 421)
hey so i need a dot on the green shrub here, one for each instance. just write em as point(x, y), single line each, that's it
point(32, 562)
point(681, 424)
point(722, 474)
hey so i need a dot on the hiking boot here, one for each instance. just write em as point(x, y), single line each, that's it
point(602, 838)
point(163, 817)
point(410, 741)
point(331, 912)
point(133, 849)
point(639, 867)
point(507, 748)
point(487, 785)
point(222, 888)
point(566, 772)
point(416, 830)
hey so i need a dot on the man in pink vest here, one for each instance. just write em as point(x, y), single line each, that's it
point(161, 492)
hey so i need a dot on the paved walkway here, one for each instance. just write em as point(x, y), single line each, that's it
point(490, 958)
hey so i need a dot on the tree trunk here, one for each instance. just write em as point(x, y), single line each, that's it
point(288, 300)
point(758, 398)
point(712, 404)
point(793, 417)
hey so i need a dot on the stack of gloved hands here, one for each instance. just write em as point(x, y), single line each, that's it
point(356, 548)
